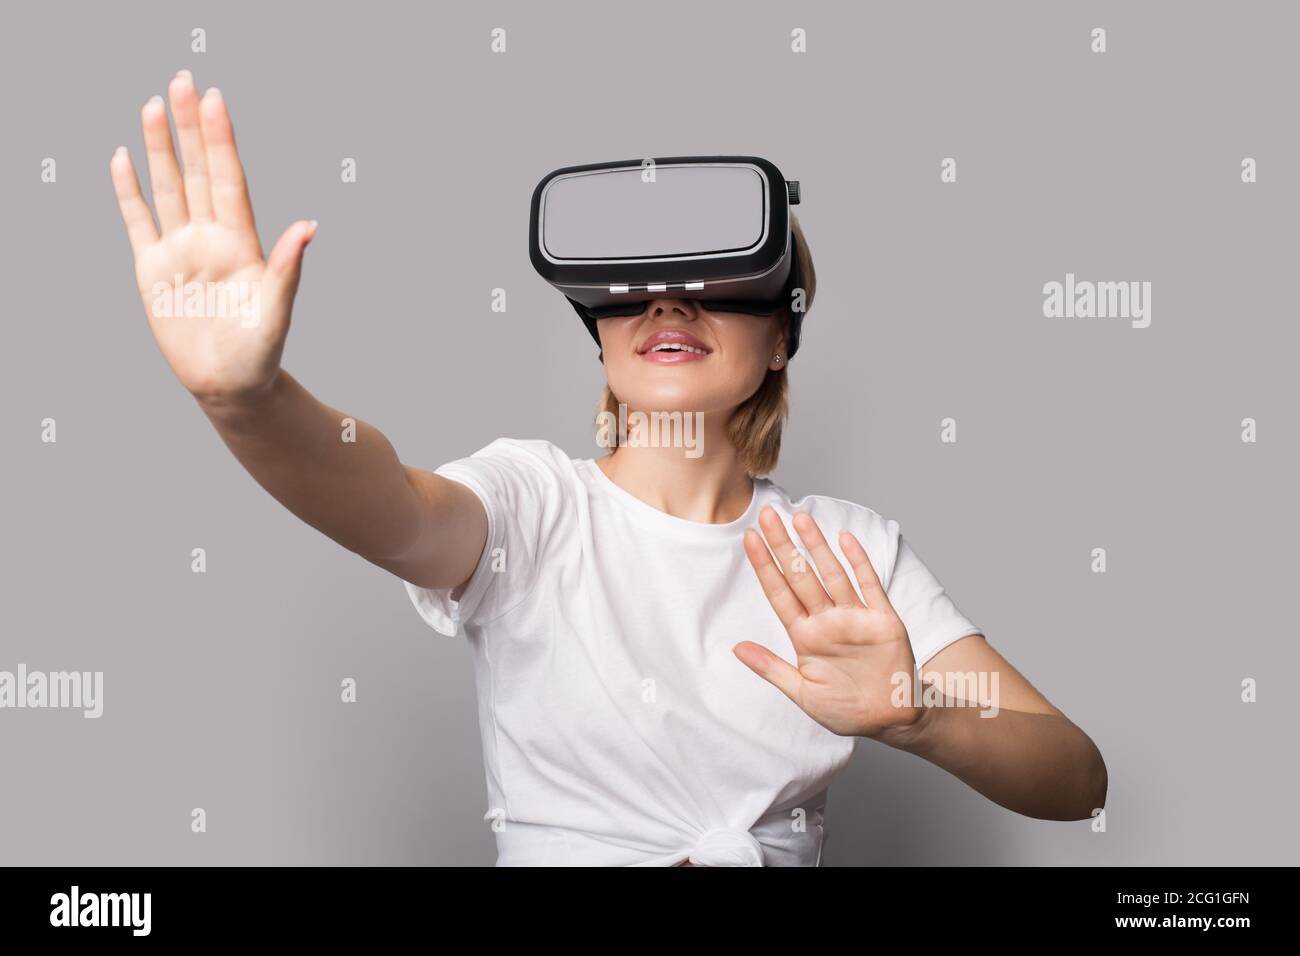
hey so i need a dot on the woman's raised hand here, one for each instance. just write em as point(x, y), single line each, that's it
point(849, 653)
point(219, 311)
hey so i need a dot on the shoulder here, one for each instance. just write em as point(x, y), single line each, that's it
point(878, 534)
point(536, 451)
point(534, 460)
point(849, 514)
point(517, 471)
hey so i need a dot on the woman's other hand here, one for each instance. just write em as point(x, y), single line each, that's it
point(850, 653)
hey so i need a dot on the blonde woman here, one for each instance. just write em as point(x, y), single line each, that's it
point(674, 657)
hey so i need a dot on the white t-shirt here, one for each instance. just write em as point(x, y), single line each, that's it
point(618, 727)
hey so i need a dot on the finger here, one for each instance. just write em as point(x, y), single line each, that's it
point(185, 108)
point(164, 174)
point(797, 569)
point(832, 573)
point(140, 228)
point(284, 265)
point(788, 607)
point(779, 673)
point(229, 191)
point(872, 592)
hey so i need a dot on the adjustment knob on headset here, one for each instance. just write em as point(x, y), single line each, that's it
point(792, 188)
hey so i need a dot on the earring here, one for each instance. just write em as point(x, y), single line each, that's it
point(777, 357)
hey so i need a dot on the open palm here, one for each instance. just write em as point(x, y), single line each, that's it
point(203, 251)
point(849, 653)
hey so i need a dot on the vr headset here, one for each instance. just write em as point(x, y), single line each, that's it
point(613, 236)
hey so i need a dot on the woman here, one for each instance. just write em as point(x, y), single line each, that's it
point(645, 697)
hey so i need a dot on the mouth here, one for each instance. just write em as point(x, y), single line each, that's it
point(672, 347)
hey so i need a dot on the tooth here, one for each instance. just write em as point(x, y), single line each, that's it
point(678, 347)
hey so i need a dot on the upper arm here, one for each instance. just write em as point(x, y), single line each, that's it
point(932, 618)
point(945, 641)
point(452, 533)
point(973, 654)
point(484, 522)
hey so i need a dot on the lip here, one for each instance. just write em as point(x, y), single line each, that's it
point(672, 336)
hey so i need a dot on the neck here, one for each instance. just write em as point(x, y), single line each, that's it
point(705, 483)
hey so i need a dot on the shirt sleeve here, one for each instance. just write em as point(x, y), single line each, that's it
point(929, 614)
point(521, 492)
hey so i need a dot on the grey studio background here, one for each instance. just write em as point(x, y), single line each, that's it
point(222, 689)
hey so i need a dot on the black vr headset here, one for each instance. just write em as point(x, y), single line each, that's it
point(614, 236)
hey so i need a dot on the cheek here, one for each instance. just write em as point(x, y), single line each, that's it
point(616, 333)
point(616, 351)
point(741, 359)
point(745, 341)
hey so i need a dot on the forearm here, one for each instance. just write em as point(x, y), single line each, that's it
point(355, 491)
point(1040, 765)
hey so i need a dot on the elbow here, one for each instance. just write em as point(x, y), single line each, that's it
point(1090, 791)
point(1100, 782)
point(1076, 790)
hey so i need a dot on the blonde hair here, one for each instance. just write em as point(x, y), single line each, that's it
point(755, 426)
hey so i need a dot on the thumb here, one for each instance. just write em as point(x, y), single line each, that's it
point(284, 265)
point(781, 674)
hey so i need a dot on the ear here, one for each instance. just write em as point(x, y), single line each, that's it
point(777, 358)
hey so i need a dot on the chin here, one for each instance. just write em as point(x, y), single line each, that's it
point(685, 401)
point(707, 393)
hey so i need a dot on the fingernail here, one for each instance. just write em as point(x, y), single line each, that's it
point(185, 73)
point(314, 224)
point(119, 151)
point(213, 92)
point(156, 99)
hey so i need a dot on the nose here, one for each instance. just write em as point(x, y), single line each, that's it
point(672, 308)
